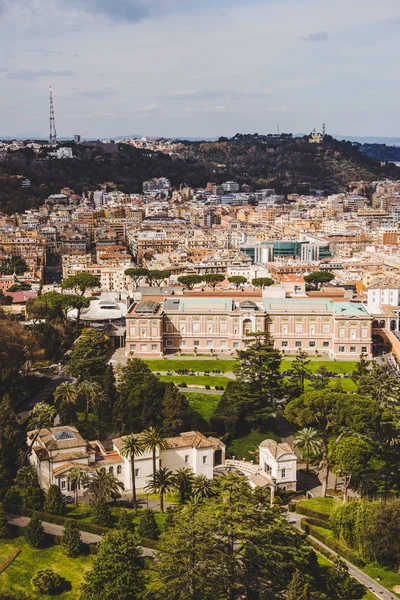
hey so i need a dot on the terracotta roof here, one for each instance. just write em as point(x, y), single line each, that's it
point(277, 450)
point(41, 453)
point(190, 439)
point(261, 480)
point(47, 439)
point(66, 456)
point(68, 466)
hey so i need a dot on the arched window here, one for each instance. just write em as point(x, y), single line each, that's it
point(119, 470)
point(247, 327)
point(382, 323)
point(392, 325)
point(111, 470)
point(375, 323)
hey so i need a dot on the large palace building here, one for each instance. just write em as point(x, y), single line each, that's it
point(222, 323)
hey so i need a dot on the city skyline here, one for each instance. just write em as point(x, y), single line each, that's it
point(179, 69)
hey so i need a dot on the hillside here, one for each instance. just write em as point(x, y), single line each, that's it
point(287, 164)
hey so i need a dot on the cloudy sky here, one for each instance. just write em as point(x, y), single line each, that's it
point(200, 67)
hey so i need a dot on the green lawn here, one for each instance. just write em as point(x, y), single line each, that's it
point(197, 364)
point(322, 505)
point(335, 366)
point(204, 404)
point(18, 574)
point(196, 380)
point(83, 513)
point(246, 447)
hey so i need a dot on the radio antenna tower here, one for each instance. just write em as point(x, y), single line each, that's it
point(53, 133)
point(323, 129)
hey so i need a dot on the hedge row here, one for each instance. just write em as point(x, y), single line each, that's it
point(9, 560)
point(308, 512)
point(317, 522)
point(87, 527)
point(349, 555)
point(50, 538)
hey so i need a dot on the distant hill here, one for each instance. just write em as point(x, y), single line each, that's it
point(288, 164)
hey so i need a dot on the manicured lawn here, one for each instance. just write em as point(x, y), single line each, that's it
point(322, 505)
point(18, 574)
point(204, 404)
point(83, 513)
point(197, 364)
point(335, 366)
point(246, 447)
point(196, 380)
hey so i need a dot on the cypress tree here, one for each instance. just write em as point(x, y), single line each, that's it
point(54, 501)
point(71, 542)
point(33, 497)
point(101, 514)
point(148, 527)
point(125, 521)
point(34, 532)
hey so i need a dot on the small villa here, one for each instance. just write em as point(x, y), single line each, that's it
point(57, 450)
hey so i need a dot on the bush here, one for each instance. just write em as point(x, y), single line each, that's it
point(34, 532)
point(183, 384)
point(54, 501)
point(308, 512)
point(125, 521)
point(101, 514)
point(4, 531)
point(70, 541)
point(46, 581)
point(148, 527)
point(208, 387)
point(331, 543)
point(13, 498)
point(34, 497)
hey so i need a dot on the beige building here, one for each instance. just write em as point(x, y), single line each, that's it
point(211, 324)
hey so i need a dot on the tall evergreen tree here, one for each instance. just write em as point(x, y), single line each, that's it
point(34, 532)
point(148, 527)
point(174, 410)
point(117, 569)
point(4, 530)
point(54, 501)
point(259, 374)
point(70, 541)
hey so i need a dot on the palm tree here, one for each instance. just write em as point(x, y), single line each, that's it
point(75, 478)
point(102, 485)
point(41, 417)
point(153, 441)
point(183, 480)
point(307, 441)
point(133, 446)
point(202, 487)
point(66, 393)
point(162, 483)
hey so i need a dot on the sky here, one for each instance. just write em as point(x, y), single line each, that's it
point(199, 68)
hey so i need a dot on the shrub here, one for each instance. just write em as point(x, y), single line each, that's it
point(308, 512)
point(34, 497)
point(101, 514)
point(70, 541)
point(13, 498)
point(46, 581)
point(34, 532)
point(148, 527)
point(125, 521)
point(208, 387)
point(54, 501)
point(4, 531)
point(183, 384)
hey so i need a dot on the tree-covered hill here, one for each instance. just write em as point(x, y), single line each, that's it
point(287, 164)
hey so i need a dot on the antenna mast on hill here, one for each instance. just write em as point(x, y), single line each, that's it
point(323, 129)
point(53, 133)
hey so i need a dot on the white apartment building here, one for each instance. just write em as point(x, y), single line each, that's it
point(230, 186)
point(382, 291)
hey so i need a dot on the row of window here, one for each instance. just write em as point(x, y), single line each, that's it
point(299, 344)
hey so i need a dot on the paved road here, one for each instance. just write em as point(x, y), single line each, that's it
point(52, 528)
point(365, 580)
